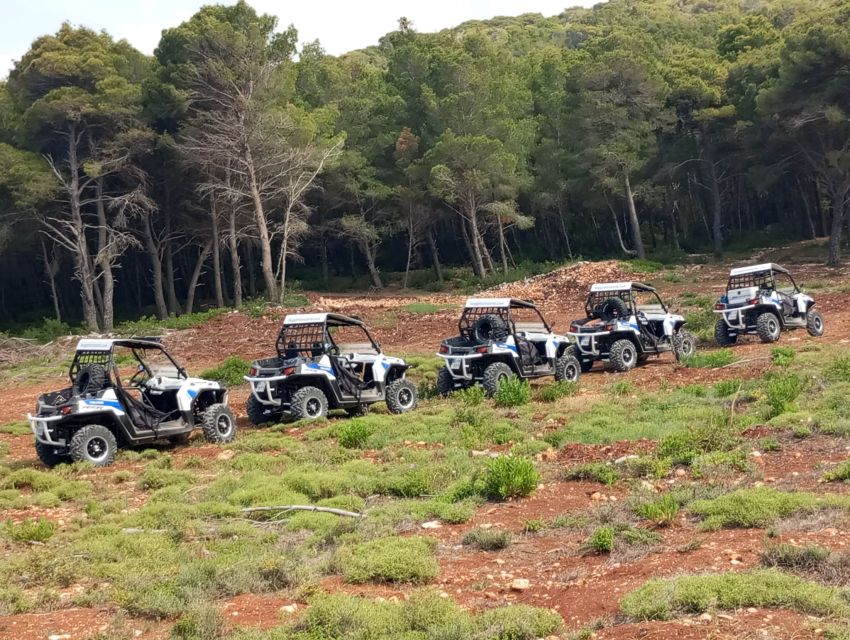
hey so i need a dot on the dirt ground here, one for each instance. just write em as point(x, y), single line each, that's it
point(582, 588)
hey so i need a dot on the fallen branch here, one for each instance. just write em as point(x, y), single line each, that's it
point(304, 507)
point(744, 361)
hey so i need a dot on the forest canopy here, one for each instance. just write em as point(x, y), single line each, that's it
point(231, 162)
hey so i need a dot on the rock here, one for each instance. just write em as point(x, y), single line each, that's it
point(705, 617)
point(596, 496)
point(520, 584)
point(479, 454)
point(755, 454)
point(623, 459)
point(646, 485)
point(431, 524)
point(751, 610)
point(289, 608)
point(681, 473)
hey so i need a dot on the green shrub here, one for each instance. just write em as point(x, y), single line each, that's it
point(513, 391)
point(781, 391)
point(470, 396)
point(839, 369)
point(509, 477)
point(710, 359)
point(684, 446)
point(663, 599)
point(725, 388)
point(802, 431)
point(230, 372)
point(621, 388)
point(47, 331)
point(782, 356)
point(488, 539)
point(389, 560)
point(601, 540)
point(354, 433)
point(159, 478)
point(39, 530)
point(594, 471)
point(759, 507)
point(203, 621)
point(769, 443)
point(533, 525)
point(558, 390)
point(841, 473)
point(661, 512)
point(715, 463)
point(789, 556)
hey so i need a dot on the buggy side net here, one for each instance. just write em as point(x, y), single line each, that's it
point(762, 280)
point(302, 340)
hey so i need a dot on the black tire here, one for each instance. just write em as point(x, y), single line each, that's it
point(489, 327)
point(623, 355)
point(814, 323)
point(49, 454)
point(94, 444)
point(91, 378)
point(684, 344)
point(612, 308)
point(259, 413)
point(493, 375)
point(445, 382)
point(768, 327)
point(309, 403)
point(401, 396)
point(567, 368)
point(219, 424)
point(722, 335)
point(585, 362)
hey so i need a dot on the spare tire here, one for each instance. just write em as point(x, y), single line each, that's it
point(489, 327)
point(612, 308)
point(91, 378)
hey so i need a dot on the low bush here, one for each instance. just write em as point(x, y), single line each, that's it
point(661, 512)
point(389, 560)
point(230, 372)
point(789, 556)
point(470, 396)
point(593, 471)
point(354, 433)
point(710, 359)
point(558, 390)
point(725, 388)
point(39, 530)
point(621, 388)
point(782, 356)
point(509, 477)
point(488, 539)
point(512, 392)
point(601, 540)
point(841, 473)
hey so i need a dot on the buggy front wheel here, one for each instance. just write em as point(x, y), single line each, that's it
point(684, 345)
point(814, 324)
point(567, 368)
point(308, 403)
point(623, 355)
point(219, 424)
point(401, 396)
point(95, 444)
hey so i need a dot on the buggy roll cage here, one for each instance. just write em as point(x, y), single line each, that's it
point(104, 357)
point(471, 314)
point(312, 339)
point(763, 279)
point(595, 298)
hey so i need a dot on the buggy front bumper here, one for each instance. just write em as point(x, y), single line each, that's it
point(458, 365)
point(41, 429)
point(263, 389)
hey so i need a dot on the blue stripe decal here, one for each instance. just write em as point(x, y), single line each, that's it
point(192, 393)
point(114, 404)
point(504, 345)
point(318, 367)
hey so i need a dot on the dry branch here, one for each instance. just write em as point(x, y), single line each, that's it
point(304, 507)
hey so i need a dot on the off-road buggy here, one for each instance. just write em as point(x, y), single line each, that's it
point(763, 299)
point(326, 361)
point(126, 393)
point(499, 338)
point(627, 323)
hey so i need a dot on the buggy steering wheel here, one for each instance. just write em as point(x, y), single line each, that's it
point(139, 378)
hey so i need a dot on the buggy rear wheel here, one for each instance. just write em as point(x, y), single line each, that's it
point(723, 335)
point(94, 444)
point(50, 455)
point(489, 327)
point(814, 324)
point(308, 403)
point(91, 378)
point(219, 424)
point(493, 376)
point(445, 382)
point(768, 327)
point(623, 355)
point(259, 413)
point(401, 396)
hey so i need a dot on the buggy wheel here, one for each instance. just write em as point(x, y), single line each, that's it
point(768, 327)
point(493, 376)
point(219, 423)
point(308, 403)
point(91, 378)
point(50, 455)
point(814, 324)
point(259, 413)
point(95, 444)
point(722, 334)
point(585, 363)
point(684, 345)
point(489, 327)
point(567, 368)
point(401, 396)
point(622, 355)
point(445, 382)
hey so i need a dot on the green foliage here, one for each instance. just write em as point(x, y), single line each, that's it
point(621, 388)
point(661, 512)
point(781, 391)
point(354, 433)
point(39, 530)
point(789, 556)
point(725, 388)
point(684, 446)
point(594, 471)
point(782, 356)
point(150, 325)
point(513, 391)
point(47, 331)
point(760, 507)
point(389, 560)
point(557, 390)
point(664, 599)
point(839, 369)
point(203, 621)
point(601, 540)
point(470, 396)
point(841, 473)
point(488, 539)
point(230, 372)
point(424, 308)
point(710, 359)
point(509, 477)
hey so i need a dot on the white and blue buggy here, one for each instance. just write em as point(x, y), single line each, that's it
point(764, 300)
point(126, 393)
point(326, 361)
point(626, 323)
point(499, 338)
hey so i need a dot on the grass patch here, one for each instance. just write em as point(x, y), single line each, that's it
point(230, 372)
point(710, 359)
point(687, 595)
point(608, 537)
point(391, 559)
point(782, 356)
point(594, 472)
point(841, 473)
point(661, 512)
point(760, 507)
point(781, 391)
point(509, 477)
point(425, 307)
point(39, 530)
point(488, 539)
point(354, 433)
point(513, 391)
point(557, 390)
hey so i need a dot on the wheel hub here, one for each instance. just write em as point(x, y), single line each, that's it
point(96, 448)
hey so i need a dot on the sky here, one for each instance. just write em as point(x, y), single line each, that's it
point(340, 25)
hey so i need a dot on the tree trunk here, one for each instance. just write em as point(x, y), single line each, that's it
point(216, 255)
point(196, 274)
point(716, 206)
point(410, 246)
point(807, 207)
point(323, 258)
point(235, 266)
point(838, 195)
point(369, 252)
point(502, 255)
point(51, 268)
point(104, 260)
point(252, 277)
point(435, 256)
point(263, 230)
point(564, 231)
point(156, 269)
point(474, 239)
point(634, 223)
